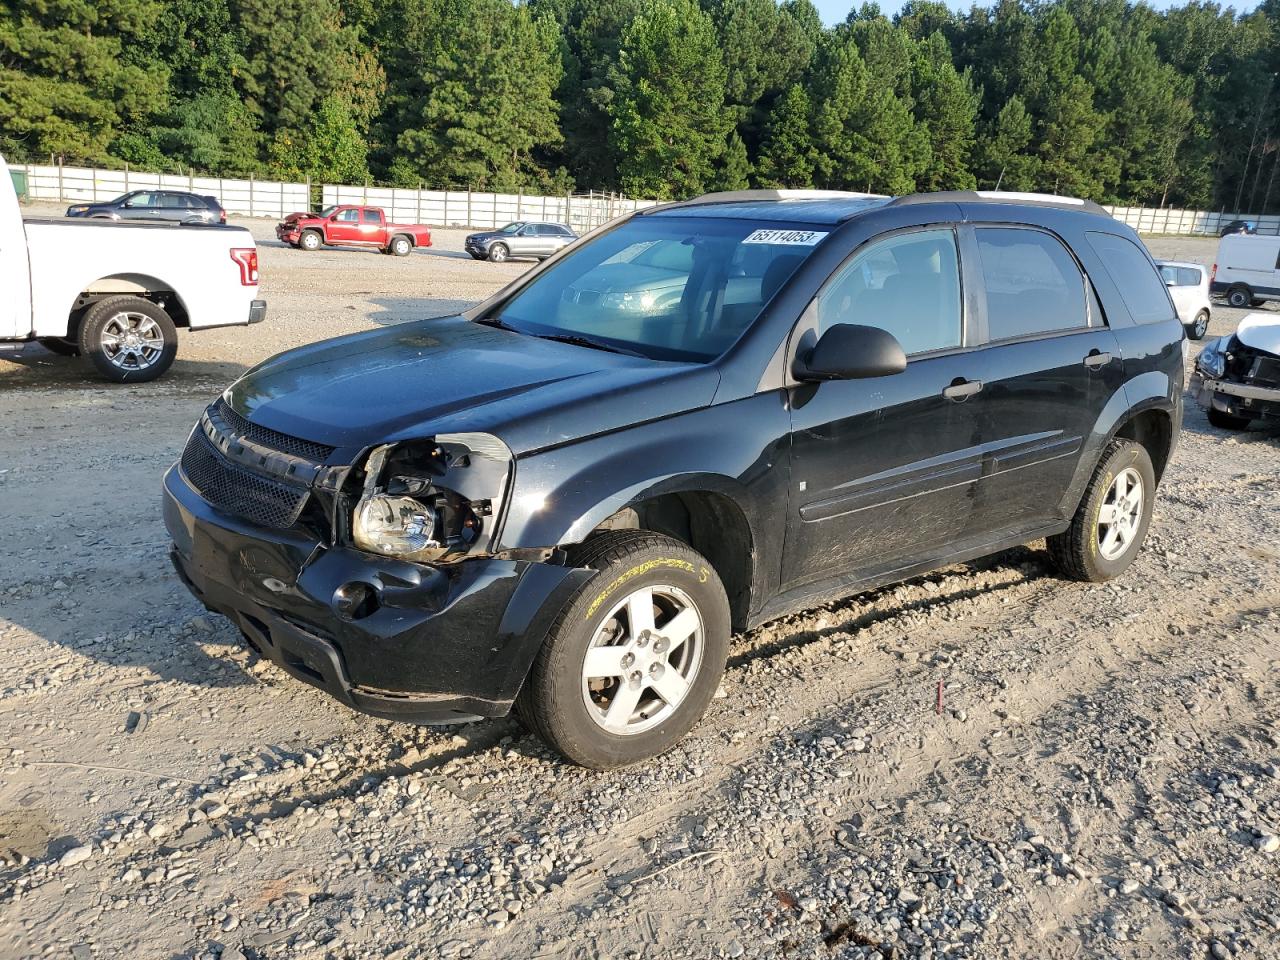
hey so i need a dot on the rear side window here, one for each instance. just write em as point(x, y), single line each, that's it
point(1130, 270)
point(372, 216)
point(1033, 285)
point(1189, 277)
point(908, 285)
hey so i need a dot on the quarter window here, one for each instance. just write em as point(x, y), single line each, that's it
point(1188, 277)
point(1130, 270)
point(908, 285)
point(1032, 284)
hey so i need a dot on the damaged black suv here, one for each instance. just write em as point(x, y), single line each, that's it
point(699, 418)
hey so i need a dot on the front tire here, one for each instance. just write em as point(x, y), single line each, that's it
point(1240, 297)
point(1112, 519)
point(310, 240)
point(636, 655)
point(128, 339)
point(1225, 421)
point(498, 253)
point(1199, 326)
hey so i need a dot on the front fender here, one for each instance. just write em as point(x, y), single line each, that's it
point(738, 449)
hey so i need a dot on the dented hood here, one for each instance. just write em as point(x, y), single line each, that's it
point(451, 375)
point(1261, 331)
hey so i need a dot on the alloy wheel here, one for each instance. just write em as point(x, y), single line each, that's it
point(132, 341)
point(643, 660)
point(1120, 514)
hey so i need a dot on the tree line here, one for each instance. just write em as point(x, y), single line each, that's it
point(658, 98)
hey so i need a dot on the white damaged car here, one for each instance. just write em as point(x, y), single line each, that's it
point(1237, 378)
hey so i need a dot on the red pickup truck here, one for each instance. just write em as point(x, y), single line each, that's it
point(352, 226)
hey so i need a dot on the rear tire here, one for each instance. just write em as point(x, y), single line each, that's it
point(128, 339)
point(1225, 421)
point(1240, 296)
point(653, 686)
point(400, 246)
point(498, 253)
point(1112, 520)
point(310, 240)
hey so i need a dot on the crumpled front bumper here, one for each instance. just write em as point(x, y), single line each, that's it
point(440, 644)
point(1236, 399)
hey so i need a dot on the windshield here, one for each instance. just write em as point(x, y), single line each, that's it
point(512, 227)
point(327, 212)
point(670, 288)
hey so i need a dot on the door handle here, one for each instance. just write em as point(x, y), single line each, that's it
point(1097, 358)
point(961, 389)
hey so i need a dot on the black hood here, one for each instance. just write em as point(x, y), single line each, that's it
point(452, 375)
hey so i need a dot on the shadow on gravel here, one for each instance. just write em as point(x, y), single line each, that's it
point(36, 366)
point(1194, 420)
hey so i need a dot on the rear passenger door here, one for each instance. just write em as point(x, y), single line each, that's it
point(372, 228)
point(1049, 367)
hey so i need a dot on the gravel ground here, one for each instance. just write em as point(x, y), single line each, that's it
point(1102, 780)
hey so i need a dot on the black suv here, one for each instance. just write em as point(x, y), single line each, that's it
point(173, 205)
point(568, 497)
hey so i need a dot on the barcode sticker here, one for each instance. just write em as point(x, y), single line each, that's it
point(795, 238)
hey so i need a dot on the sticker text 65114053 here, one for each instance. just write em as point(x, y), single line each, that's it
point(797, 238)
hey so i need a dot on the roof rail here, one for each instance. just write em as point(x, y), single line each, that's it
point(740, 196)
point(1000, 196)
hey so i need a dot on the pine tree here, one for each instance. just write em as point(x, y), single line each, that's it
point(1006, 161)
point(669, 122)
point(471, 94)
point(946, 109)
point(786, 156)
point(67, 85)
point(842, 151)
point(733, 171)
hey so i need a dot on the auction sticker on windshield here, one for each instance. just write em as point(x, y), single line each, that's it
point(798, 238)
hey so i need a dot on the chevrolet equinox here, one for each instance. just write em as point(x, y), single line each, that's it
point(696, 419)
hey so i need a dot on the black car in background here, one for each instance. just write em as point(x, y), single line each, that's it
point(708, 415)
point(1238, 226)
point(176, 206)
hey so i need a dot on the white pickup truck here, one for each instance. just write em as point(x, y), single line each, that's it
point(115, 293)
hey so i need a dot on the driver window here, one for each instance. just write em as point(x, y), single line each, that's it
point(908, 285)
point(350, 215)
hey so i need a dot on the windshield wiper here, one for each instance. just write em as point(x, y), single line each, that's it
point(496, 322)
point(581, 341)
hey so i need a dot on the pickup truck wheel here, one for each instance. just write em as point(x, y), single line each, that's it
point(1199, 326)
point(1240, 296)
point(60, 346)
point(128, 339)
point(310, 240)
point(1112, 519)
point(498, 253)
point(1225, 421)
point(636, 655)
point(401, 246)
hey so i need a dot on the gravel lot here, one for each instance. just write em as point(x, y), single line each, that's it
point(1104, 778)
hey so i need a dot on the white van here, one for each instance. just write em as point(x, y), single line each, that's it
point(1247, 271)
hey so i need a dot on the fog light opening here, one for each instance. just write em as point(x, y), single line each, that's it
point(355, 600)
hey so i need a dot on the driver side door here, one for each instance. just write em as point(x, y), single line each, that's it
point(884, 469)
point(344, 226)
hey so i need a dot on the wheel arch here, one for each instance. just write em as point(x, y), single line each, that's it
point(708, 521)
point(146, 286)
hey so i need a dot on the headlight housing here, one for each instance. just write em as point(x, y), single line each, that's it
point(1212, 361)
point(432, 501)
point(642, 302)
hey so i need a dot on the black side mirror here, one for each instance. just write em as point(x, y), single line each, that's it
point(850, 351)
